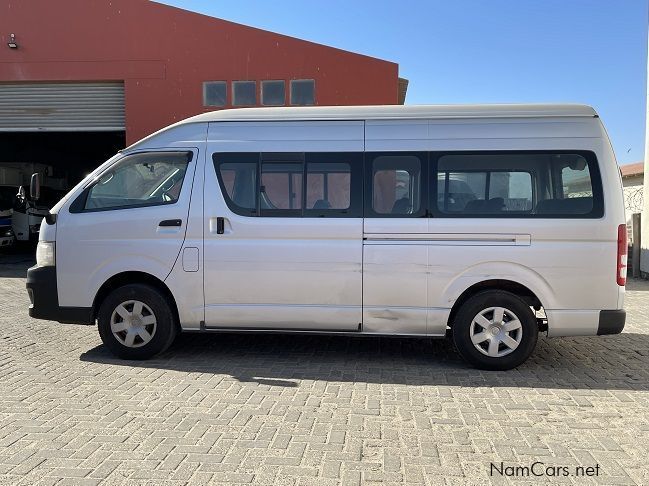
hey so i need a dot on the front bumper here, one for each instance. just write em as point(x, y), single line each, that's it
point(44, 298)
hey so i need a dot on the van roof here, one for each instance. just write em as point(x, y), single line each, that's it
point(380, 112)
point(388, 112)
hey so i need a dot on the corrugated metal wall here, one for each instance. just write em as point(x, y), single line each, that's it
point(61, 106)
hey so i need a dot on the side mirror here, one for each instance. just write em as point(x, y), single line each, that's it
point(21, 194)
point(35, 187)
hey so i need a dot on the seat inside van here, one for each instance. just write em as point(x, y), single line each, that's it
point(571, 205)
point(492, 205)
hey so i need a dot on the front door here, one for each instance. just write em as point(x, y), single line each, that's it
point(283, 229)
point(133, 217)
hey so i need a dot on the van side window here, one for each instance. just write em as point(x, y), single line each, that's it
point(291, 184)
point(238, 175)
point(395, 185)
point(138, 180)
point(281, 185)
point(328, 185)
point(517, 185)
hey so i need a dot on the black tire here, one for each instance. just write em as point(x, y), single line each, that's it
point(163, 334)
point(461, 330)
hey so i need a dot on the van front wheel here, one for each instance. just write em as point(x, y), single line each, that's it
point(136, 322)
point(495, 330)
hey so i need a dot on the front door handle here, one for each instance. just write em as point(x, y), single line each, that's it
point(220, 225)
point(171, 222)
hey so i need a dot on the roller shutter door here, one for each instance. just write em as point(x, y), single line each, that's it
point(54, 107)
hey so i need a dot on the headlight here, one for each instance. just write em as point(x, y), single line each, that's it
point(6, 232)
point(45, 254)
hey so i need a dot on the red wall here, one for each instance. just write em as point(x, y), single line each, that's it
point(164, 54)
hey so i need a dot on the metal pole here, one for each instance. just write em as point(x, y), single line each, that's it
point(644, 252)
point(637, 242)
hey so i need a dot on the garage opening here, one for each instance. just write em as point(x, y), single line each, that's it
point(64, 158)
point(62, 130)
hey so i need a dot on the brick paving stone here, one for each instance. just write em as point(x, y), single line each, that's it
point(228, 409)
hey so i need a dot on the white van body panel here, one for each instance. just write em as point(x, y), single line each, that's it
point(186, 278)
point(95, 246)
point(288, 273)
point(554, 258)
point(391, 275)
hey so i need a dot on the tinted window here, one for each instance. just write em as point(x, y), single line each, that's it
point(484, 191)
point(272, 93)
point(303, 92)
point(524, 184)
point(291, 184)
point(328, 186)
point(214, 93)
point(238, 176)
point(281, 185)
point(140, 180)
point(244, 93)
point(395, 185)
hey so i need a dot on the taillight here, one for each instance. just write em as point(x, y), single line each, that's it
point(622, 255)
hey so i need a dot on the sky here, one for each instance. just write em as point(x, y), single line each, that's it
point(484, 51)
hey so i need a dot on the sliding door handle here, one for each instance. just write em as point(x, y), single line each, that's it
point(171, 222)
point(220, 225)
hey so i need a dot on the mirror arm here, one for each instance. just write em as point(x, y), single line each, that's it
point(50, 218)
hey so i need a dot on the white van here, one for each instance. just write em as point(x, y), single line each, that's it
point(491, 223)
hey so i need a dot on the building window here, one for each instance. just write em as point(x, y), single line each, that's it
point(303, 92)
point(272, 93)
point(244, 93)
point(214, 93)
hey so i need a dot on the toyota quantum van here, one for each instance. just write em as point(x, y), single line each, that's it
point(486, 223)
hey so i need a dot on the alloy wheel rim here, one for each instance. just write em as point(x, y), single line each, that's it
point(496, 332)
point(133, 323)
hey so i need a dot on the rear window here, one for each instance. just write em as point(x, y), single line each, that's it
point(518, 184)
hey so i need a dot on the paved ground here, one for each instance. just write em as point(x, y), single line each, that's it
point(314, 410)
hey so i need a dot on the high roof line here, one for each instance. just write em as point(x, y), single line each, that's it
point(386, 112)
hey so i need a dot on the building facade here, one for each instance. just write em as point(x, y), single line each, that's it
point(95, 75)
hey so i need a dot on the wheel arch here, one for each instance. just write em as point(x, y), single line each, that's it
point(133, 277)
point(530, 297)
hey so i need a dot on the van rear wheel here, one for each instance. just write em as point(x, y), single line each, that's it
point(136, 322)
point(495, 330)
